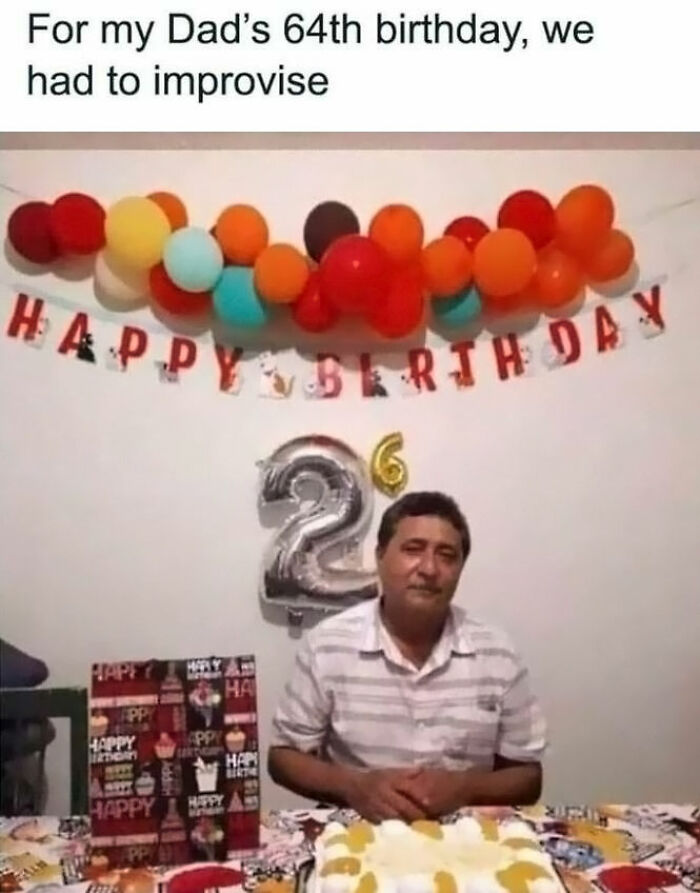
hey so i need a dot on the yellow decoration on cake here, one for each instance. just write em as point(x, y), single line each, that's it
point(344, 865)
point(361, 831)
point(337, 838)
point(612, 844)
point(521, 843)
point(368, 883)
point(430, 829)
point(359, 835)
point(445, 882)
point(515, 878)
point(489, 828)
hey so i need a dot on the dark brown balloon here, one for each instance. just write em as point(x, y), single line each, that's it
point(326, 223)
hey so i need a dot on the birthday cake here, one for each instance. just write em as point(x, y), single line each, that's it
point(469, 856)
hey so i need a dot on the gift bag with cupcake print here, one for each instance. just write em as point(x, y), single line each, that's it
point(174, 761)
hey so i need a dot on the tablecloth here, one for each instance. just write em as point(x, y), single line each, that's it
point(601, 849)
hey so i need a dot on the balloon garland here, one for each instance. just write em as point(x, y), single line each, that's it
point(538, 257)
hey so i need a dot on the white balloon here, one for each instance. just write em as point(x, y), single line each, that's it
point(119, 286)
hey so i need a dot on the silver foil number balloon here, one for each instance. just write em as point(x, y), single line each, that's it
point(331, 494)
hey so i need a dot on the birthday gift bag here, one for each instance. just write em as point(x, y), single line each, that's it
point(174, 761)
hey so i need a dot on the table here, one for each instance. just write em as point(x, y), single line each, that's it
point(604, 849)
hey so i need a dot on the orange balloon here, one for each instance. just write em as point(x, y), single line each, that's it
point(399, 231)
point(558, 278)
point(612, 260)
point(500, 307)
point(447, 266)
point(280, 273)
point(242, 233)
point(172, 207)
point(504, 262)
point(584, 218)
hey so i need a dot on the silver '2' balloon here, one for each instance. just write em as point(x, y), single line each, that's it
point(331, 493)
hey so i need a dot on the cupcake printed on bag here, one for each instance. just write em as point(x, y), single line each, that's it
point(204, 699)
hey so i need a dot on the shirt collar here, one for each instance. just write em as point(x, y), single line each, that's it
point(370, 639)
point(458, 625)
point(454, 636)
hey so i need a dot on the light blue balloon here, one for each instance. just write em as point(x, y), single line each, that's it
point(193, 259)
point(236, 301)
point(459, 309)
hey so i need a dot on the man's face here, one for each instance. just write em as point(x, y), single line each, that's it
point(421, 565)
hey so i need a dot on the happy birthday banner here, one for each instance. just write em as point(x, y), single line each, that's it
point(44, 324)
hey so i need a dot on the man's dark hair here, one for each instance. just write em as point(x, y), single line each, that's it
point(414, 505)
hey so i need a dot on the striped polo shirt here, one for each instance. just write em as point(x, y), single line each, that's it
point(355, 700)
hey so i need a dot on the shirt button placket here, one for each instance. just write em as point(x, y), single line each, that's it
point(419, 725)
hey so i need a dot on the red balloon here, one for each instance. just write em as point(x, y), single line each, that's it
point(401, 311)
point(173, 299)
point(354, 274)
point(311, 311)
point(29, 232)
point(78, 223)
point(470, 230)
point(532, 214)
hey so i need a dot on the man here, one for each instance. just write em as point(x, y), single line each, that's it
point(405, 707)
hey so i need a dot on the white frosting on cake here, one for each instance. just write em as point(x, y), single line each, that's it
point(544, 885)
point(467, 829)
point(331, 829)
point(392, 828)
point(515, 829)
point(338, 883)
point(336, 851)
point(415, 883)
point(403, 859)
point(480, 882)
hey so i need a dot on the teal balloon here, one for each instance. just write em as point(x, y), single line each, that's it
point(192, 259)
point(459, 309)
point(236, 301)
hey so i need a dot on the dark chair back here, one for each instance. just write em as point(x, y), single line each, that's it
point(25, 715)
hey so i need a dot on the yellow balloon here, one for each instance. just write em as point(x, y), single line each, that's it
point(389, 473)
point(136, 230)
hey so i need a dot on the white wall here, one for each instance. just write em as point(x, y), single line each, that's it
point(129, 521)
